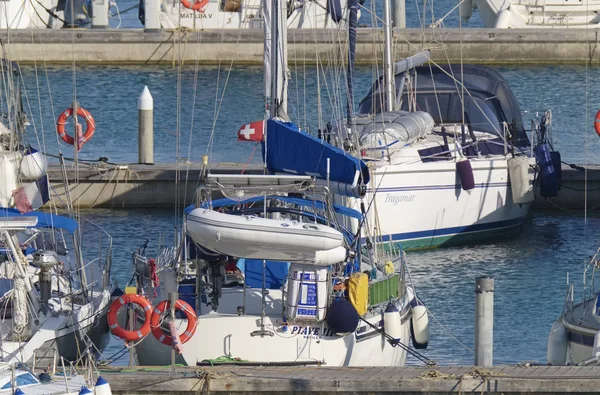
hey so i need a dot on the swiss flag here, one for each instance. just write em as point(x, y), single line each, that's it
point(253, 131)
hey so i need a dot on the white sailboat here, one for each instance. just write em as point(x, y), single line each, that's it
point(271, 274)
point(575, 337)
point(451, 162)
point(522, 14)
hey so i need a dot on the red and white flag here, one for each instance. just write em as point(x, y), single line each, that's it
point(253, 131)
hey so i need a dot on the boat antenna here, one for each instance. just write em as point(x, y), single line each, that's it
point(352, 23)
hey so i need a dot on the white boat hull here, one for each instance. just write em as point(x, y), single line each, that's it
point(228, 334)
point(424, 206)
point(520, 14)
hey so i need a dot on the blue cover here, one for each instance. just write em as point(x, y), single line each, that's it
point(276, 273)
point(289, 150)
point(45, 220)
point(348, 212)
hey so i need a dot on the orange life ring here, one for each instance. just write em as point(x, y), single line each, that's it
point(121, 332)
point(62, 121)
point(597, 123)
point(181, 305)
point(199, 6)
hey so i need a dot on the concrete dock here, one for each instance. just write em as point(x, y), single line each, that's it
point(373, 380)
point(161, 185)
point(135, 46)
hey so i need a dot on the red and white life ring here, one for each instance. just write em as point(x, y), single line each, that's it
point(180, 305)
point(62, 122)
point(199, 6)
point(117, 330)
point(597, 123)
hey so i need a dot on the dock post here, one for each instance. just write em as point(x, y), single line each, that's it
point(146, 128)
point(100, 14)
point(152, 15)
point(484, 321)
point(399, 7)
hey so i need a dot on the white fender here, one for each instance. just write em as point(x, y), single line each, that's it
point(521, 179)
point(392, 322)
point(420, 324)
point(34, 166)
point(557, 344)
point(102, 387)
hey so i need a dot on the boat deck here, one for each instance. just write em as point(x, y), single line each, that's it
point(507, 379)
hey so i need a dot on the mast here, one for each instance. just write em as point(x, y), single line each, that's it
point(275, 58)
point(352, 22)
point(388, 64)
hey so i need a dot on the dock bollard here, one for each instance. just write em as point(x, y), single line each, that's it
point(484, 321)
point(146, 128)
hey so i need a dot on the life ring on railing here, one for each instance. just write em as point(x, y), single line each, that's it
point(199, 6)
point(121, 332)
point(597, 123)
point(62, 121)
point(180, 305)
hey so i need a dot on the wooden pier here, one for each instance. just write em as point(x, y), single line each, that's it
point(519, 379)
point(305, 46)
point(131, 186)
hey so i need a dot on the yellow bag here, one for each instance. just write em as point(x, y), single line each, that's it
point(358, 292)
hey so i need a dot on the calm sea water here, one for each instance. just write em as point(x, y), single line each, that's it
point(111, 93)
point(530, 276)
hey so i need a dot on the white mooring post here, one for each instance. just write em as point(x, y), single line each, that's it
point(399, 9)
point(484, 321)
point(146, 128)
point(100, 14)
point(151, 15)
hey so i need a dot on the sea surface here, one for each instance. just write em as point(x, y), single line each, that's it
point(530, 271)
point(214, 102)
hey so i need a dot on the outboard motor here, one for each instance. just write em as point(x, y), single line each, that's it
point(216, 271)
point(45, 260)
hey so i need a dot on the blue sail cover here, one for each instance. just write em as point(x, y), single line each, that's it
point(45, 220)
point(289, 150)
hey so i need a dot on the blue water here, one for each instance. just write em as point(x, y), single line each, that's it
point(110, 94)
